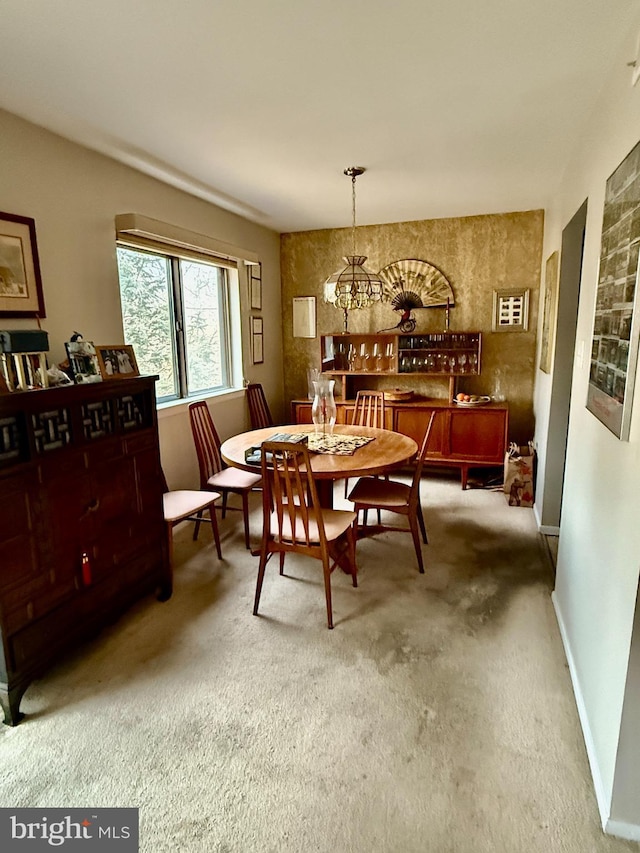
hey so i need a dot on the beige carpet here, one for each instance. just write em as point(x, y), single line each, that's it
point(437, 716)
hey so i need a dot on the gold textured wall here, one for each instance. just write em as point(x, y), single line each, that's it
point(477, 254)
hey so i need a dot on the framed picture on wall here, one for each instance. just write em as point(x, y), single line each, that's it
point(20, 281)
point(304, 317)
point(510, 310)
point(255, 287)
point(257, 340)
point(550, 307)
point(614, 344)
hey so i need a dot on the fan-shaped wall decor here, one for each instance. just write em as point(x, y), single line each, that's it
point(409, 284)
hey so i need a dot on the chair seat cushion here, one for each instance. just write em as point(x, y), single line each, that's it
point(336, 521)
point(183, 502)
point(382, 493)
point(234, 478)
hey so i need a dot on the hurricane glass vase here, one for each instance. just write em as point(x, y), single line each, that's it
point(323, 409)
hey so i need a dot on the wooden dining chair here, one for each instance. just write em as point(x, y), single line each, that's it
point(214, 474)
point(259, 413)
point(189, 505)
point(294, 521)
point(368, 411)
point(371, 493)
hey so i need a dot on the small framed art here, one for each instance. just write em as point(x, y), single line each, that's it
point(550, 306)
point(20, 282)
point(117, 361)
point(255, 287)
point(304, 317)
point(511, 310)
point(257, 340)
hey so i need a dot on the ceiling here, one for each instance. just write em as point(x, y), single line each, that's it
point(454, 108)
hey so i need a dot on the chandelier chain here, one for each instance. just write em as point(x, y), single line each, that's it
point(353, 210)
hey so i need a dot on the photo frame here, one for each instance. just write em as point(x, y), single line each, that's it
point(304, 317)
point(117, 361)
point(616, 326)
point(83, 361)
point(549, 312)
point(510, 310)
point(20, 280)
point(257, 340)
point(255, 287)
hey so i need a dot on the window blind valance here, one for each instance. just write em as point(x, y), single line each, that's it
point(133, 229)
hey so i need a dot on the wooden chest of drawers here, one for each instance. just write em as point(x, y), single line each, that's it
point(81, 521)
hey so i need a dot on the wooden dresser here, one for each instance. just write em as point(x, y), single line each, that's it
point(462, 437)
point(81, 522)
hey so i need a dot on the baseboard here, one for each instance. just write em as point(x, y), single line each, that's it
point(629, 831)
point(545, 529)
point(603, 803)
point(536, 515)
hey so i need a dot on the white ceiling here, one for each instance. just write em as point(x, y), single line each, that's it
point(455, 107)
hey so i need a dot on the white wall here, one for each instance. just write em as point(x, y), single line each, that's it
point(74, 195)
point(599, 547)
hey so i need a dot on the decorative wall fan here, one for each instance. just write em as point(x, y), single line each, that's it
point(411, 284)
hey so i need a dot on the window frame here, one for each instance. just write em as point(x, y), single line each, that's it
point(173, 258)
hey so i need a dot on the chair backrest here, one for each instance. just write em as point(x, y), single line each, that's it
point(206, 441)
point(422, 454)
point(258, 407)
point(291, 493)
point(369, 409)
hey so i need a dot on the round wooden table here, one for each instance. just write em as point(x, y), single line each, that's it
point(387, 450)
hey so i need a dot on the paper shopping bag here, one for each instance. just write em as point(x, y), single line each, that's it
point(519, 475)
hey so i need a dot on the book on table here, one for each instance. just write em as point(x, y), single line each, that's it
point(253, 455)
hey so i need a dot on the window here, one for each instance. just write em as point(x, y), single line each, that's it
point(176, 315)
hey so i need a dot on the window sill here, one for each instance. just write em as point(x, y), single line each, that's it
point(178, 407)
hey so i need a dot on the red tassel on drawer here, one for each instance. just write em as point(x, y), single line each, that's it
point(86, 569)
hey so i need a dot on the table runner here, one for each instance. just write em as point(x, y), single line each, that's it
point(337, 445)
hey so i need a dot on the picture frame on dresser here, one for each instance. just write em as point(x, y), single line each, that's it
point(117, 361)
point(83, 360)
point(21, 293)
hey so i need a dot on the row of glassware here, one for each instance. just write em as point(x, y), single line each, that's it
point(446, 340)
point(439, 362)
point(375, 357)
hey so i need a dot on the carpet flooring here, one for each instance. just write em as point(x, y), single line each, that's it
point(437, 717)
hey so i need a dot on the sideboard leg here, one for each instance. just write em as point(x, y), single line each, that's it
point(10, 701)
point(464, 473)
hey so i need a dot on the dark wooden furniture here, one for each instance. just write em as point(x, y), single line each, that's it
point(82, 532)
point(461, 438)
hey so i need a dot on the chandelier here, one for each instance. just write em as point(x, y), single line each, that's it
point(354, 286)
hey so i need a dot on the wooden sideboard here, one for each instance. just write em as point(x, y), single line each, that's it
point(461, 438)
point(443, 355)
point(82, 531)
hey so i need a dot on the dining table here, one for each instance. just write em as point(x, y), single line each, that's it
point(384, 451)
